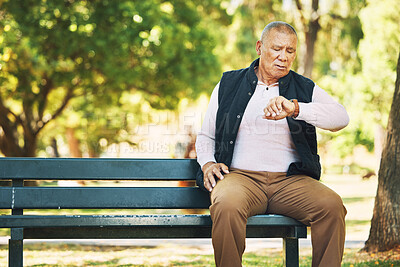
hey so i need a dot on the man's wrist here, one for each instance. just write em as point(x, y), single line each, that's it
point(296, 108)
point(207, 165)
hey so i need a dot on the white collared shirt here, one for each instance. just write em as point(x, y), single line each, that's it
point(266, 145)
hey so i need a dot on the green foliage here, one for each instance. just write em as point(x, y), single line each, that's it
point(94, 65)
point(153, 46)
point(250, 19)
point(55, 51)
point(378, 51)
point(364, 82)
point(338, 37)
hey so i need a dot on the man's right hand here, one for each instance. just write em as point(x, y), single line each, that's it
point(212, 170)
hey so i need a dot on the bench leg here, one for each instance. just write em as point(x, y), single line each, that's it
point(291, 252)
point(16, 248)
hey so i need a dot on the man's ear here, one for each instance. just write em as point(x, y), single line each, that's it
point(258, 47)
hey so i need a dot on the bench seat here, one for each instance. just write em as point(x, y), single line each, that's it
point(268, 226)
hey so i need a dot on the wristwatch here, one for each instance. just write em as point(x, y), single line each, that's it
point(296, 108)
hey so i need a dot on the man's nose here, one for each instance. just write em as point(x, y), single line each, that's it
point(283, 55)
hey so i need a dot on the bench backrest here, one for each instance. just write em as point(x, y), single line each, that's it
point(43, 197)
point(97, 169)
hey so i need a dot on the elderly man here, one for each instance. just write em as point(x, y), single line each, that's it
point(258, 151)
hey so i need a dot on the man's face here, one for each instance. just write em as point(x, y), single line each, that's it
point(277, 53)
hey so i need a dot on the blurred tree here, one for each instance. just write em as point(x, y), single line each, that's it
point(385, 224)
point(249, 19)
point(364, 81)
point(310, 25)
point(336, 21)
point(53, 52)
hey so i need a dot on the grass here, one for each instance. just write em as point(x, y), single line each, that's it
point(351, 200)
point(355, 223)
point(45, 254)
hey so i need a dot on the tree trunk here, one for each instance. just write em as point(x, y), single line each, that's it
point(311, 39)
point(93, 153)
point(73, 143)
point(385, 224)
point(311, 27)
point(9, 143)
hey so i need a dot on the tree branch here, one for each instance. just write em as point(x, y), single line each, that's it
point(314, 13)
point(336, 16)
point(44, 93)
point(315, 5)
point(300, 9)
point(67, 98)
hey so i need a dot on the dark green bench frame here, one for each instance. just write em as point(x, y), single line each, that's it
point(16, 197)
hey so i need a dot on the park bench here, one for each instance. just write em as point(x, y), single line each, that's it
point(16, 197)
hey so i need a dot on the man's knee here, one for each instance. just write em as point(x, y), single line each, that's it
point(228, 206)
point(332, 205)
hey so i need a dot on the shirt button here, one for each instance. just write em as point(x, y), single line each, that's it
point(254, 81)
point(231, 142)
point(238, 116)
point(249, 93)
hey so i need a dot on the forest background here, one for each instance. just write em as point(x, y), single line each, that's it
point(132, 78)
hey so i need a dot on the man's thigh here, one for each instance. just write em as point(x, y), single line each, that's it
point(303, 198)
point(242, 190)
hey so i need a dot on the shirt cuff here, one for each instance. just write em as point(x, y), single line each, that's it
point(306, 113)
point(202, 160)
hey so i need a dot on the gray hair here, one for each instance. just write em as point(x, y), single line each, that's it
point(280, 26)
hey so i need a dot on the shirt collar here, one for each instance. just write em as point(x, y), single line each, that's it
point(271, 85)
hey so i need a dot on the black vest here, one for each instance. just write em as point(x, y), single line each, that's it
point(235, 90)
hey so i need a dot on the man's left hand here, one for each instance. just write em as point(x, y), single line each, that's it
point(278, 108)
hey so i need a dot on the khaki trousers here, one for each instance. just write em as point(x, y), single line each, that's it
point(244, 193)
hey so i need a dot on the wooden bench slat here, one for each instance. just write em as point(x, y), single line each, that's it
point(151, 232)
point(19, 221)
point(103, 197)
point(144, 226)
point(97, 169)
